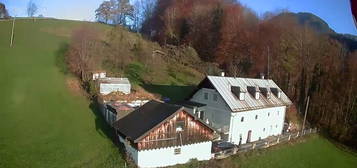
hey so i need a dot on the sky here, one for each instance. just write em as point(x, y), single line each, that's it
point(61, 9)
point(336, 13)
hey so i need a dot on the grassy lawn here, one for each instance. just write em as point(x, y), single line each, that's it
point(309, 152)
point(42, 124)
point(313, 153)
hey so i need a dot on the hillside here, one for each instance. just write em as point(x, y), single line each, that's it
point(42, 123)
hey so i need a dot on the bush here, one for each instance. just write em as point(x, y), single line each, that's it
point(134, 72)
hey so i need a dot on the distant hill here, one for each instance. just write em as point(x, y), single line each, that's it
point(321, 27)
point(309, 19)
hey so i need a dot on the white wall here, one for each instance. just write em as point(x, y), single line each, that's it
point(106, 88)
point(217, 112)
point(166, 156)
point(273, 124)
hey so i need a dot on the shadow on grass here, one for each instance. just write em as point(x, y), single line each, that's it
point(104, 129)
point(175, 93)
point(60, 62)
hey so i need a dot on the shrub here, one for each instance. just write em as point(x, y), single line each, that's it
point(135, 71)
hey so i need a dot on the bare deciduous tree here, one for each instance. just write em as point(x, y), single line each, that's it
point(31, 8)
point(80, 56)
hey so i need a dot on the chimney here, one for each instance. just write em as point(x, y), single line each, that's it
point(262, 76)
point(222, 74)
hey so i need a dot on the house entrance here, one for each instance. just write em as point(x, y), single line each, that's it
point(249, 136)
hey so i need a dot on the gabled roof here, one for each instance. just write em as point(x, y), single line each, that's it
point(223, 86)
point(140, 122)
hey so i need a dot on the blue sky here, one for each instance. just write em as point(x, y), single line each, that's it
point(62, 9)
point(336, 13)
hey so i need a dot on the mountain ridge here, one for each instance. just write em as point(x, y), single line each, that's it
point(321, 27)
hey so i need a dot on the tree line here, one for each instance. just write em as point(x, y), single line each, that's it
point(125, 13)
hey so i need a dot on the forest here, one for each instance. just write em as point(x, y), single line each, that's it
point(299, 52)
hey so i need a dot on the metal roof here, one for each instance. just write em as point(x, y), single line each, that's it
point(223, 86)
point(115, 80)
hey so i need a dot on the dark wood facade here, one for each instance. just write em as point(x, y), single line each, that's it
point(179, 129)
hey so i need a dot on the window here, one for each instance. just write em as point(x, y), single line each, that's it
point(263, 129)
point(206, 96)
point(242, 119)
point(215, 97)
point(201, 115)
point(276, 126)
point(256, 116)
point(268, 114)
point(278, 112)
point(177, 151)
point(180, 126)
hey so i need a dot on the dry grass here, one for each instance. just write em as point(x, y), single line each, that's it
point(74, 86)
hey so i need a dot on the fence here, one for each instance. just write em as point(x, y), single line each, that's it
point(265, 143)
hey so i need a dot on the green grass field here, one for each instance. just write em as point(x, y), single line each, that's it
point(43, 124)
point(316, 152)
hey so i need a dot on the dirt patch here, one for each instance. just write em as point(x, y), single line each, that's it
point(75, 87)
point(136, 94)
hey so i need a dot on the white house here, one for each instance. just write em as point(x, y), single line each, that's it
point(242, 109)
point(108, 85)
point(159, 134)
